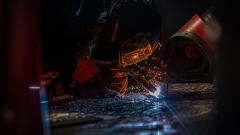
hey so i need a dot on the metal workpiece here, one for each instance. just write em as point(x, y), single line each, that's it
point(136, 114)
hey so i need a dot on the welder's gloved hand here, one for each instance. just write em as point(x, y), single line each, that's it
point(90, 79)
point(85, 71)
point(112, 78)
point(99, 78)
point(118, 81)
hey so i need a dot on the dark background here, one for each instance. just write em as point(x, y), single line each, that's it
point(174, 15)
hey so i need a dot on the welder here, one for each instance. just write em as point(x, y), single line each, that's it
point(68, 26)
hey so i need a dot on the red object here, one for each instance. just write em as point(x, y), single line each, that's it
point(189, 53)
point(198, 27)
point(20, 92)
point(47, 78)
point(85, 70)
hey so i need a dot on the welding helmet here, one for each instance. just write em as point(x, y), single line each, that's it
point(130, 34)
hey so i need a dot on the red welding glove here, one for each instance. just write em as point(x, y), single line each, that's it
point(85, 71)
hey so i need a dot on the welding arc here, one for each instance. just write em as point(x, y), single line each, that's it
point(142, 81)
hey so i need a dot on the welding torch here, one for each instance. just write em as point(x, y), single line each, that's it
point(138, 78)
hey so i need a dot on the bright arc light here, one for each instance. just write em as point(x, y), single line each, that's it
point(156, 93)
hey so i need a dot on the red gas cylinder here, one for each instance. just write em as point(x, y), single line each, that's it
point(189, 53)
point(24, 108)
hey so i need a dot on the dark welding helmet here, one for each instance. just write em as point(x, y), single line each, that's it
point(135, 50)
point(130, 35)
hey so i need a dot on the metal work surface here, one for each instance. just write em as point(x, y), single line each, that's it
point(135, 114)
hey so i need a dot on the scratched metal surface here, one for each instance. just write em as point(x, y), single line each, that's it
point(135, 114)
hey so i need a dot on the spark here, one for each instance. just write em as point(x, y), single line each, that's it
point(156, 93)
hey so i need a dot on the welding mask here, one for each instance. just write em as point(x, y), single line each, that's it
point(131, 28)
point(135, 50)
